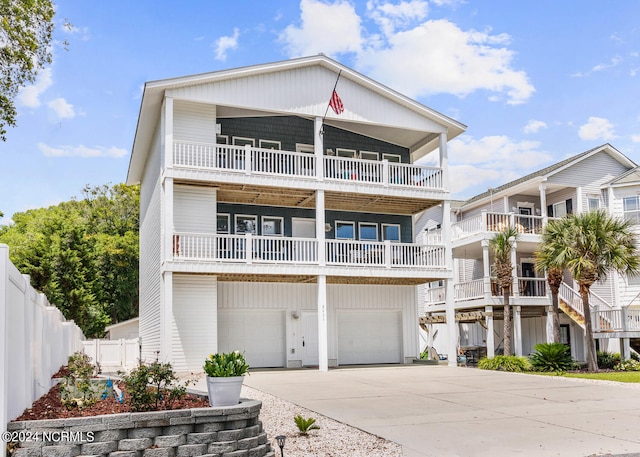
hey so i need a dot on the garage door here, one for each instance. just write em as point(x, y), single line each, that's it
point(259, 334)
point(366, 336)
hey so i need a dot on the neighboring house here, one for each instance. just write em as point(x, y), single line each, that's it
point(273, 226)
point(126, 329)
point(599, 178)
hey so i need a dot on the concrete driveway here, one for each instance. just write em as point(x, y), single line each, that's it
point(449, 411)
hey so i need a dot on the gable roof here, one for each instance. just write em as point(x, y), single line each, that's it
point(549, 171)
point(628, 178)
point(421, 138)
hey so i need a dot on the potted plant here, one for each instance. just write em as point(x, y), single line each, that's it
point(225, 374)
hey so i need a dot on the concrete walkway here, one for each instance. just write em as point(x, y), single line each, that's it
point(449, 411)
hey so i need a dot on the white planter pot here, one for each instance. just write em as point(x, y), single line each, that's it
point(224, 391)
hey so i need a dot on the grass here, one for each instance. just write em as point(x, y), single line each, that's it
point(618, 376)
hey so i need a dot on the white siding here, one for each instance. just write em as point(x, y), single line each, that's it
point(303, 91)
point(150, 251)
point(595, 170)
point(194, 209)
point(194, 323)
point(533, 332)
point(194, 122)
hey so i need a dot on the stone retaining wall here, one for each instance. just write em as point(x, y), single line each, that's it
point(231, 431)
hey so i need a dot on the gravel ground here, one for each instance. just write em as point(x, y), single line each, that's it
point(333, 439)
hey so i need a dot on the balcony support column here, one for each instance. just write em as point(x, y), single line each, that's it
point(543, 203)
point(517, 330)
point(320, 223)
point(452, 325)
point(444, 163)
point(514, 265)
point(491, 341)
point(318, 148)
point(549, 326)
point(486, 267)
point(323, 345)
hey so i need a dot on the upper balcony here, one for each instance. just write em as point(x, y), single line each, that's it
point(246, 164)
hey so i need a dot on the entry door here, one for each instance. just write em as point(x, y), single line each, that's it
point(310, 338)
point(528, 271)
point(525, 221)
point(304, 228)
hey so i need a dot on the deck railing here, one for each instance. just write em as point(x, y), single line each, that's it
point(250, 160)
point(616, 320)
point(496, 222)
point(249, 248)
point(469, 290)
point(532, 287)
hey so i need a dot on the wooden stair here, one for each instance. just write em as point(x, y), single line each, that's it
point(575, 316)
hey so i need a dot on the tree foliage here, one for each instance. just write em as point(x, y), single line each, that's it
point(590, 245)
point(26, 27)
point(82, 254)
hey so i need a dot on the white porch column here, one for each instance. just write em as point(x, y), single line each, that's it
point(323, 344)
point(517, 330)
point(318, 148)
point(579, 208)
point(543, 203)
point(444, 161)
point(514, 265)
point(486, 268)
point(452, 326)
point(320, 222)
point(549, 326)
point(625, 348)
point(491, 340)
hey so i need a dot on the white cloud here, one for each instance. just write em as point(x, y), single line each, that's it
point(480, 164)
point(81, 151)
point(226, 43)
point(62, 109)
point(614, 62)
point(635, 138)
point(328, 28)
point(597, 128)
point(534, 126)
point(29, 96)
point(390, 16)
point(447, 58)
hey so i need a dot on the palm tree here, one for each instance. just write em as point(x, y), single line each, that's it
point(590, 245)
point(502, 244)
point(546, 260)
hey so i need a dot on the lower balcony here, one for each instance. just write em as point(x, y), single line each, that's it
point(269, 250)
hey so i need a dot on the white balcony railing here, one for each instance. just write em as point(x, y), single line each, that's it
point(249, 248)
point(616, 320)
point(469, 290)
point(251, 160)
point(532, 287)
point(496, 222)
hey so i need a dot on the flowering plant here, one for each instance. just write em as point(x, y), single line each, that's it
point(226, 365)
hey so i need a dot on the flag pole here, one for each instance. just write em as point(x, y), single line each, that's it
point(328, 104)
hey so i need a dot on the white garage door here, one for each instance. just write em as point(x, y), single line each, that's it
point(369, 336)
point(258, 333)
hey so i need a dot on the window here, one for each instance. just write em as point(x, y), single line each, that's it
point(222, 139)
point(222, 223)
point(368, 155)
point(594, 203)
point(246, 224)
point(391, 157)
point(240, 141)
point(345, 230)
point(269, 144)
point(306, 148)
point(391, 232)
point(272, 225)
point(345, 152)
point(368, 231)
point(560, 209)
point(631, 208)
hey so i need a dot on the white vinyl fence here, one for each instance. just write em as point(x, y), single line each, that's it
point(35, 341)
point(113, 355)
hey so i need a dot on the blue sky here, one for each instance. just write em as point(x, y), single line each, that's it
point(534, 82)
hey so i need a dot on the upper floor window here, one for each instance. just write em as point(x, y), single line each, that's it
point(391, 232)
point(368, 155)
point(269, 144)
point(368, 231)
point(345, 230)
point(560, 209)
point(272, 225)
point(631, 208)
point(241, 141)
point(351, 153)
point(633, 280)
point(594, 203)
point(222, 223)
point(391, 157)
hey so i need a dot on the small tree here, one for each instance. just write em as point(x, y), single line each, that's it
point(502, 244)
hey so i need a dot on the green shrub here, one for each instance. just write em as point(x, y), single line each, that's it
point(153, 387)
point(551, 357)
point(627, 365)
point(225, 365)
point(77, 390)
point(505, 363)
point(607, 360)
point(305, 425)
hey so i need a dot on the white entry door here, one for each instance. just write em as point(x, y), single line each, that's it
point(310, 338)
point(303, 227)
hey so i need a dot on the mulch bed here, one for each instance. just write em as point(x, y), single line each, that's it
point(49, 406)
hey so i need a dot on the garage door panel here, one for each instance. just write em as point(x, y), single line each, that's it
point(369, 336)
point(259, 334)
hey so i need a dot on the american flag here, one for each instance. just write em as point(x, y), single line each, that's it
point(335, 103)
